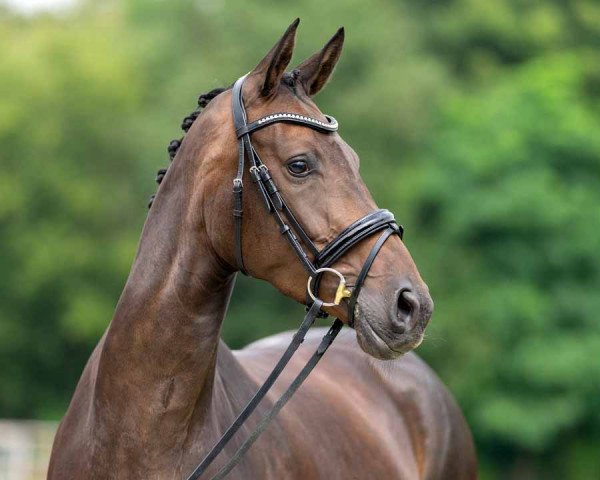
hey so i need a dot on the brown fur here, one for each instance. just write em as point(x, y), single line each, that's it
point(160, 387)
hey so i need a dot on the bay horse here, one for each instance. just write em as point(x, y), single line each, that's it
point(161, 387)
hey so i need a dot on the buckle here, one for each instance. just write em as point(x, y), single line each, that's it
point(254, 173)
point(340, 293)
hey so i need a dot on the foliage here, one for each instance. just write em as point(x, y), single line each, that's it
point(511, 184)
point(484, 143)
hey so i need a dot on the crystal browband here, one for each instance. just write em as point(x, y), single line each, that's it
point(330, 126)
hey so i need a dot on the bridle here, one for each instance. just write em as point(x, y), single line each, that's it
point(378, 221)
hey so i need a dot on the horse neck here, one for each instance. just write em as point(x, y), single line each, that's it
point(157, 361)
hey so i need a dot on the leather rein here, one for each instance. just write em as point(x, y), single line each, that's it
point(378, 221)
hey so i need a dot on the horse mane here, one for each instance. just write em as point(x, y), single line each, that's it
point(203, 100)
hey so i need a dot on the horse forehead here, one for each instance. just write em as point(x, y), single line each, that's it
point(290, 99)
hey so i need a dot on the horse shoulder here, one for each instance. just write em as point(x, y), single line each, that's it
point(401, 402)
point(441, 438)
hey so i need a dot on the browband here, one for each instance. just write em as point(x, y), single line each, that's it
point(330, 126)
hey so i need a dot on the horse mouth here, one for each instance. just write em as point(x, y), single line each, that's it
point(377, 345)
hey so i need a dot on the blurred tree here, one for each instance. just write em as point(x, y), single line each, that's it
point(511, 183)
point(65, 118)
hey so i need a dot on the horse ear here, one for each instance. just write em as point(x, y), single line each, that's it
point(267, 74)
point(316, 70)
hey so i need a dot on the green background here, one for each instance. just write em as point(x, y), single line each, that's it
point(477, 122)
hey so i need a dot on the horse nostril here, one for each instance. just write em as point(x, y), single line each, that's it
point(407, 304)
point(405, 307)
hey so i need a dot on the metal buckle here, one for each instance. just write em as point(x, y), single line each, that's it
point(340, 293)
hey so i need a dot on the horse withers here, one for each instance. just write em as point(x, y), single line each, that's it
point(161, 387)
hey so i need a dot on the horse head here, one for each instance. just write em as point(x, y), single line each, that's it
point(317, 173)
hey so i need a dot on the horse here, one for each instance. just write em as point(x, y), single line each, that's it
point(161, 387)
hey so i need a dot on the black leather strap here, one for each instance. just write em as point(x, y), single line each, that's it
point(294, 386)
point(360, 280)
point(355, 233)
point(280, 204)
point(297, 340)
point(239, 118)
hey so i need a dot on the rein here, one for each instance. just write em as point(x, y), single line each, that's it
point(378, 221)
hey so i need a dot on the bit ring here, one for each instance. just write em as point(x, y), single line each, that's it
point(341, 291)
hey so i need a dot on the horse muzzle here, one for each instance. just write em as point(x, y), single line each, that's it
point(390, 322)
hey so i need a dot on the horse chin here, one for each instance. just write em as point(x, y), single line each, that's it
point(374, 344)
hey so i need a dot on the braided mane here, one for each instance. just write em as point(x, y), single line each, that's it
point(203, 101)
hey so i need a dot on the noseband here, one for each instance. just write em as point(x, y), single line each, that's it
point(322, 260)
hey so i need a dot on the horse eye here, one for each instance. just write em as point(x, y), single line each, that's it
point(298, 167)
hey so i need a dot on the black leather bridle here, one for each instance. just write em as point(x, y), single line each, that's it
point(378, 221)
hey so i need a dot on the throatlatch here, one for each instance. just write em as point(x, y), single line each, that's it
point(322, 260)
